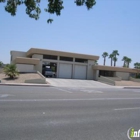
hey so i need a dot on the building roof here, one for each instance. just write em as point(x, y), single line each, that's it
point(60, 53)
point(24, 60)
point(118, 69)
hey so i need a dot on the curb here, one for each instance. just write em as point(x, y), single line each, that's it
point(33, 85)
point(138, 87)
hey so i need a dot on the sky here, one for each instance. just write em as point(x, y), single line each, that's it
point(109, 25)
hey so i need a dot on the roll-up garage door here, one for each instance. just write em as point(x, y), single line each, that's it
point(65, 71)
point(80, 72)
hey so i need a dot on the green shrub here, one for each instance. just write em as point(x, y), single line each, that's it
point(10, 70)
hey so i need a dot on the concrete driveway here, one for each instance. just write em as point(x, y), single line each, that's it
point(75, 83)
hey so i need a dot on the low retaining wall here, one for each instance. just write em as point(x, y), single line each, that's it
point(41, 80)
point(134, 79)
point(1, 70)
point(114, 78)
point(106, 80)
point(36, 81)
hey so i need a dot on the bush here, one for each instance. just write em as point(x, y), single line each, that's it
point(10, 70)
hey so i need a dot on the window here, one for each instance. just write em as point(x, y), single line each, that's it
point(53, 57)
point(81, 60)
point(66, 58)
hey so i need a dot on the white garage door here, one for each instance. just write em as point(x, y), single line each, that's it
point(65, 71)
point(80, 72)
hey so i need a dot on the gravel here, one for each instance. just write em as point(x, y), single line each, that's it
point(20, 79)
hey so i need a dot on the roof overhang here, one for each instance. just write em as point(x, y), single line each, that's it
point(23, 60)
point(60, 53)
point(117, 69)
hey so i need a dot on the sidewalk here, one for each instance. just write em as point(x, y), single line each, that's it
point(25, 84)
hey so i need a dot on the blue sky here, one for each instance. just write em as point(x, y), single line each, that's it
point(110, 25)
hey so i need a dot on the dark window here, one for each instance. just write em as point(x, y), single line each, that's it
point(53, 57)
point(106, 73)
point(81, 60)
point(66, 58)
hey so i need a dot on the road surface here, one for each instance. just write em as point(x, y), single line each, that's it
point(53, 113)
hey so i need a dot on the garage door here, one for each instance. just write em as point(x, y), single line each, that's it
point(80, 72)
point(65, 71)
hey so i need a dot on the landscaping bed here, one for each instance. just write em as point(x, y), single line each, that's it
point(20, 79)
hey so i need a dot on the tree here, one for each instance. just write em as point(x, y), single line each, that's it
point(124, 59)
point(1, 64)
point(33, 8)
point(115, 59)
point(128, 61)
point(137, 65)
point(96, 62)
point(104, 55)
point(115, 53)
point(10, 70)
point(111, 57)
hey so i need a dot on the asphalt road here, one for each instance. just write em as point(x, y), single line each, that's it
point(51, 113)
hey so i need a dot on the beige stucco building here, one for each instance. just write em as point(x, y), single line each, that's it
point(66, 64)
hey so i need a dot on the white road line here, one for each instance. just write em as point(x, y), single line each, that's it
point(5, 95)
point(127, 108)
point(91, 91)
point(64, 90)
point(56, 100)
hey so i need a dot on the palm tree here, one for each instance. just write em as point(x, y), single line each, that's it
point(115, 60)
point(128, 61)
point(124, 59)
point(10, 70)
point(137, 65)
point(115, 53)
point(111, 57)
point(96, 62)
point(104, 55)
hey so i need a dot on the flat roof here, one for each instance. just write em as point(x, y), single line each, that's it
point(117, 69)
point(60, 53)
point(24, 60)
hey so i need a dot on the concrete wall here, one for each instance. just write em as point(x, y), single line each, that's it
point(123, 75)
point(39, 66)
point(114, 78)
point(25, 68)
point(90, 74)
point(134, 79)
point(15, 54)
point(36, 81)
point(1, 70)
point(95, 75)
point(106, 80)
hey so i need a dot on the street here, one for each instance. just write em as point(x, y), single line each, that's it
point(56, 113)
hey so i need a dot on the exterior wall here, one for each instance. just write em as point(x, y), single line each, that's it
point(25, 68)
point(37, 56)
point(39, 66)
point(67, 62)
point(90, 74)
point(123, 75)
point(15, 54)
point(95, 75)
